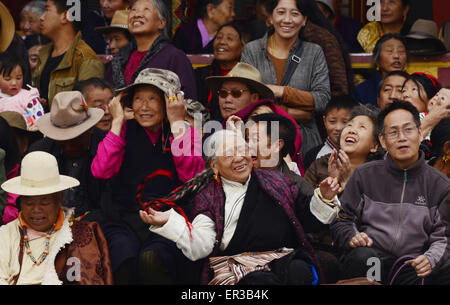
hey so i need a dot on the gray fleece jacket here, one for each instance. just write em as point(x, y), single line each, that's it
point(399, 209)
point(310, 75)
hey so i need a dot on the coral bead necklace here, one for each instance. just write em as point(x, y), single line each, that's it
point(44, 254)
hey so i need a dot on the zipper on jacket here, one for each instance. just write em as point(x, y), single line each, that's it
point(405, 180)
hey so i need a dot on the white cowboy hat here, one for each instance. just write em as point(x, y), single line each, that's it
point(39, 176)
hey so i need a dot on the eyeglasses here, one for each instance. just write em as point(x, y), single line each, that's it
point(223, 93)
point(395, 133)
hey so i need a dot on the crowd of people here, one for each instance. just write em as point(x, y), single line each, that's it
point(272, 165)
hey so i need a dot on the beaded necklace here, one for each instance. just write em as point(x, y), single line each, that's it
point(44, 254)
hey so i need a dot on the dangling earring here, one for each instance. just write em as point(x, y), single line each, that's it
point(446, 158)
point(217, 178)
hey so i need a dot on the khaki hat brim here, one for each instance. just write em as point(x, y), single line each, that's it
point(127, 88)
point(46, 127)
point(214, 83)
point(7, 29)
point(107, 29)
point(15, 186)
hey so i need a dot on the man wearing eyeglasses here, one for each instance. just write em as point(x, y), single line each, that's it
point(391, 210)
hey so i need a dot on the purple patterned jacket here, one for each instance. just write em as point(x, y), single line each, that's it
point(211, 202)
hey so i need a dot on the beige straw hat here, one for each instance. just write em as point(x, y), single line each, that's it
point(119, 21)
point(7, 28)
point(69, 117)
point(245, 73)
point(39, 176)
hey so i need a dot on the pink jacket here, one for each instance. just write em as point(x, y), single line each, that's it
point(26, 102)
point(188, 160)
point(11, 212)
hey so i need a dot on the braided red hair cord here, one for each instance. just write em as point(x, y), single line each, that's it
point(159, 203)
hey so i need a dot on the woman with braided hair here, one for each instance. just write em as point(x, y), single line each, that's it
point(238, 209)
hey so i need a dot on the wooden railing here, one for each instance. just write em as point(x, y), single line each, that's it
point(438, 66)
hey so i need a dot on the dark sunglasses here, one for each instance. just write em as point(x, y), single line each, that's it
point(223, 93)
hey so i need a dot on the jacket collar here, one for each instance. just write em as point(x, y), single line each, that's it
point(413, 170)
point(264, 39)
point(67, 60)
point(120, 61)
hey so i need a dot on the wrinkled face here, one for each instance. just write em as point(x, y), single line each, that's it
point(147, 107)
point(265, 154)
point(223, 13)
point(51, 20)
point(390, 91)
point(357, 137)
point(237, 97)
point(41, 212)
point(415, 94)
point(76, 147)
point(233, 159)
point(227, 45)
point(401, 137)
point(30, 24)
point(33, 57)
point(117, 40)
point(392, 11)
point(441, 98)
point(334, 121)
point(109, 7)
point(287, 19)
point(100, 98)
point(392, 56)
point(143, 19)
point(12, 83)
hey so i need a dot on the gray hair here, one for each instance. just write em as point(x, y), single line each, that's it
point(163, 13)
point(214, 142)
point(35, 7)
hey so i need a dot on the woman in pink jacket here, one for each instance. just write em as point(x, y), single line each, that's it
point(158, 148)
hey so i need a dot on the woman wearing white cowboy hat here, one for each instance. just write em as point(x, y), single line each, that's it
point(46, 234)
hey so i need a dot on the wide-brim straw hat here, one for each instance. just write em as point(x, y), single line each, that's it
point(119, 21)
point(423, 39)
point(245, 73)
point(7, 28)
point(39, 176)
point(69, 117)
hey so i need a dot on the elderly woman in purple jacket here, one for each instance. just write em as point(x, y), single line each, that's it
point(240, 209)
point(148, 23)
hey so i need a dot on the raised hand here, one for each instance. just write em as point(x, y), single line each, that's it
point(329, 188)
point(154, 218)
point(176, 112)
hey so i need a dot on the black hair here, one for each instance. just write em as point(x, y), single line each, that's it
point(341, 102)
point(439, 135)
point(94, 82)
point(201, 7)
point(9, 61)
point(430, 84)
point(310, 9)
point(396, 105)
point(392, 73)
point(9, 144)
point(238, 28)
point(287, 131)
point(61, 7)
point(378, 46)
